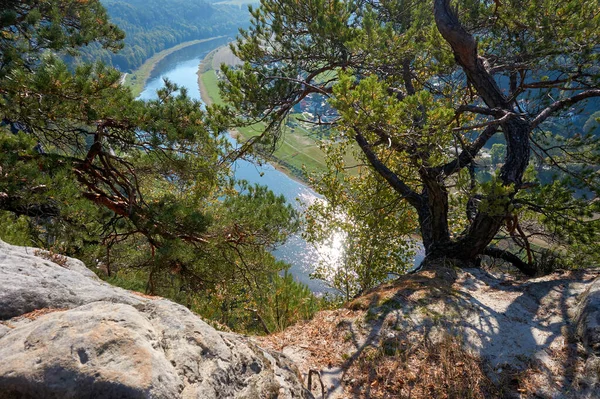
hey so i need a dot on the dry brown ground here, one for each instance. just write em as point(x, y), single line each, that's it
point(445, 334)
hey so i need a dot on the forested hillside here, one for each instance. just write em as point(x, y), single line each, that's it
point(153, 25)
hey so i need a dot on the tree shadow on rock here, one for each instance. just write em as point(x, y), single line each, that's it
point(512, 337)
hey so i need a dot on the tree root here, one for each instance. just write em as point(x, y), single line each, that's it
point(528, 269)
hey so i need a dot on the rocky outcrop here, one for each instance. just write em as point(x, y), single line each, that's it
point(491, 334)
point(588, 333)
point(588, 318)
point(66, 334)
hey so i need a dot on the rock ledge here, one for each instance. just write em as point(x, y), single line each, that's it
point(66, 334)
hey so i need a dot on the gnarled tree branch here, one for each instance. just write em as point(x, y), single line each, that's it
point(526, 268)
point(558, 105)
point(412, 197)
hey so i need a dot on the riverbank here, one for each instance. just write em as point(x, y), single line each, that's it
point(137, 79)
point(298, 154)
point(209, 92)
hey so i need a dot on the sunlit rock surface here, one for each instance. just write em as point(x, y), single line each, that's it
point(66, 334)
point(588, 333)
point(531, 338)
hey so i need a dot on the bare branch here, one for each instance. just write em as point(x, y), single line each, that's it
point(558, 105)
point(495, 122)
point(310, 87)
point(469, 153)
point(480, 110)
point(495, 252)
point(412, 197)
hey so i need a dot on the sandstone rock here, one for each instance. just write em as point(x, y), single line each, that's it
point(588, 318)
point(93, 340)
point(30, 281)
point(523, 334)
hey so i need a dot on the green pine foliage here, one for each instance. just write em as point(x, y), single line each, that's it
point(422, 90)
point(267, 306)
point(142, 191)
point(368, 221)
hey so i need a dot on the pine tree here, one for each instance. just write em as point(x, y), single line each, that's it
point(143, 188)
point(420, 89)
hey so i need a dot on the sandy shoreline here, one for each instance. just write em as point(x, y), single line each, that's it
point(204, 67)
point(204, 93)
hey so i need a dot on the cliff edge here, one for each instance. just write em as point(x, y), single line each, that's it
point(66, 334)
point(457, 333)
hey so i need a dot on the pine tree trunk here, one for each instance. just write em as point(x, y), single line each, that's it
point(516, 129)
point(433, 213)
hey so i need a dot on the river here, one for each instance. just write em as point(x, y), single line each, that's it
point(180, 67)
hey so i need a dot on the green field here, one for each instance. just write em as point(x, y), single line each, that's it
point(209, 88)
point(298, 149)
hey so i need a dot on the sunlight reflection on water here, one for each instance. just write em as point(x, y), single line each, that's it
point(181, 68)
point(302, 256)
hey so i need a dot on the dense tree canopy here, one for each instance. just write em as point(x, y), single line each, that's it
point(154, 25)
point(422, 90)
point(88, 171)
